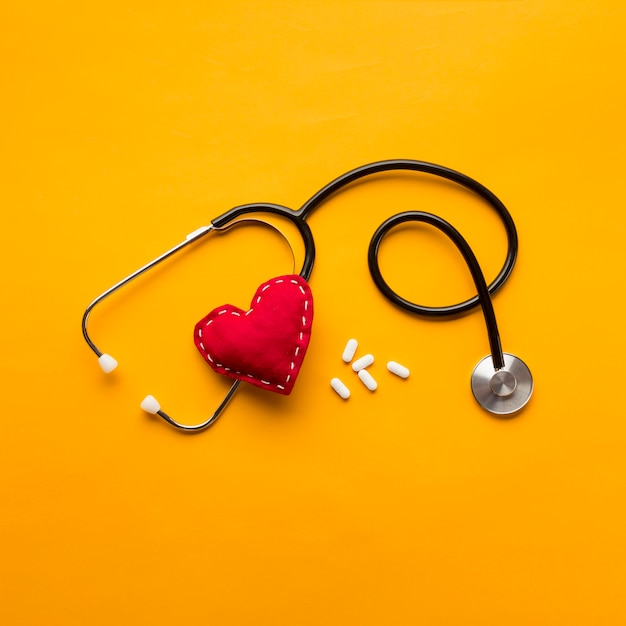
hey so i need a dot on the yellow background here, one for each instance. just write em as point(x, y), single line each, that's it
point(126, 125)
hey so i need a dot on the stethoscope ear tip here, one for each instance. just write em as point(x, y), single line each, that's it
point(503, 391)
point(107, 363)
point(150, 405)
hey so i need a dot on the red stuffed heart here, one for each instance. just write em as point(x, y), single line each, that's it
point(266, 344)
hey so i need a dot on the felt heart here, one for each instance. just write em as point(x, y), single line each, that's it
point(266, 344)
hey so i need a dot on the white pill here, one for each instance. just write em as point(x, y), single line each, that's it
point(340, 388)
point(349, 350)
point(368, 380)
point(398, 370)
point(363, 362)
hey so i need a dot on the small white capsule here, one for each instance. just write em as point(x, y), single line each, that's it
point(368, 380)
point(349, 350)
point(398, 370)
point(340, 388)
point(363, 362)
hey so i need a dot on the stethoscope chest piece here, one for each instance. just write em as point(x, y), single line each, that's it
point(504, 391)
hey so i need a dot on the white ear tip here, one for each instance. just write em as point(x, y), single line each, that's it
point(107, 363)
point(150, 405)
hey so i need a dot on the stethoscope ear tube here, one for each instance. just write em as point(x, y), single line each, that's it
point(108, 363)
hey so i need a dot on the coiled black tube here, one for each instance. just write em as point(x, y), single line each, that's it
point(470, 259)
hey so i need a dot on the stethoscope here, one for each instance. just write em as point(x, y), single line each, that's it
point(501, 383)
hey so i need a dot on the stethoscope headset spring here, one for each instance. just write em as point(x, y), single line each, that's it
point(501, 383)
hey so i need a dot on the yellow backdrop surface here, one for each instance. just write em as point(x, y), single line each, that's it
point(126, 125)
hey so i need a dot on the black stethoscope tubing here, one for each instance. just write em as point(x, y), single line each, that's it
point(470, 259)
point(299, 219)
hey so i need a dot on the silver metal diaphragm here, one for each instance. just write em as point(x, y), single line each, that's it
point(504, 391)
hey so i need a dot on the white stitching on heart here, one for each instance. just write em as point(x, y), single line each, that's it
point(292, 364)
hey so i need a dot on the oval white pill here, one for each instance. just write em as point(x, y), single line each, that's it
point(349, 350)
point(340, 388)
point(398, 370)
point(363, 362)
point(368, 380)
